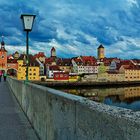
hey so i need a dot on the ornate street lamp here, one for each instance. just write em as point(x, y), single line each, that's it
point(28, 21)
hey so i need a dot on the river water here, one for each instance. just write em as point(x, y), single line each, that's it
point(126, 97)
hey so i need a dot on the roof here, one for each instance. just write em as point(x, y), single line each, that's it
point(78, 61)
point(11, 60)
point(64, 62)
point(10, 56)
point(124, 63)
point(16, 52)
point(88, 60)
point(3, 49)
point(40, 54)
point(32, 60)
point(133, 67)
point(53, 49)
point(101, 46)
point(50, 60)
point(54, 67)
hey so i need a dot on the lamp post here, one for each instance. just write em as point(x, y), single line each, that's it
point(28, 21)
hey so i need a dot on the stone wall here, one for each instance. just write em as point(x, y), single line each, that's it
point(56, 115)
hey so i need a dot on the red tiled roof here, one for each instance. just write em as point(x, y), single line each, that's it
point(124, 63)
point(40, 54)
point(32, 60)
point(54, 67)
point(49, 60)
point(11, 60)
point(10, 56)
point(64, 62)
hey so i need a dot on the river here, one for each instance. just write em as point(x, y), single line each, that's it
point(126, 97)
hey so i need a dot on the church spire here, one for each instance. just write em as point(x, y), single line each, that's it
point(2, 41)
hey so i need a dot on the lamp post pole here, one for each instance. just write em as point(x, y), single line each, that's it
point(28, 21)
point(27, 54)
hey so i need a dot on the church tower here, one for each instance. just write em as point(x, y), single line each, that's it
point(53, 52)
point(101, 52)
point(3, 56)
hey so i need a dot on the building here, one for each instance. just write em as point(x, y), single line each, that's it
point(41, 59)
point(84, 65)
point(101, 52)
point(3, 57)
point(33, 68)
point(61, 76)
point(40, 56)
point(12, 67)
point(53, 52)
point(16, 55)
point(65, 64)
point(115, 76)
point(51, 70)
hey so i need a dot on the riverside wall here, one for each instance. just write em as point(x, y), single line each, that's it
point(56, 115)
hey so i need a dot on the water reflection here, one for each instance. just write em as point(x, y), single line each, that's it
point(126, 97)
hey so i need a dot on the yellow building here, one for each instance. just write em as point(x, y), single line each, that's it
point(33, 69)
point(131, 73)
point(114, 76)
point(101, 52)
point(73, 77)
point(21, 73)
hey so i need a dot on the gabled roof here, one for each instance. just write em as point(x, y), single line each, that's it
point(32, 60)
point(78, 61)
point(10, 56)
point(40, 54)
point(50, 60)
point(54, 67)
point(64, 62)
point(88, 60)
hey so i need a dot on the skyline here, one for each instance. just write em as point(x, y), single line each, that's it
point(74, 28)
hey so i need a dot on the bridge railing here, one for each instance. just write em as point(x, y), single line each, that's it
point(56, 115)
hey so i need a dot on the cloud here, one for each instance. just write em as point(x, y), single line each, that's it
point(74, 27)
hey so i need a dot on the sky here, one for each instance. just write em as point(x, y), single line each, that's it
point(73, 27)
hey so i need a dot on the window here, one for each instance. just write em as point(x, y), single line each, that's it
point(34, 73)
point(2, 56)
point(34, 69)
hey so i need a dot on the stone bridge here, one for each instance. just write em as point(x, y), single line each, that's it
point(55, 115)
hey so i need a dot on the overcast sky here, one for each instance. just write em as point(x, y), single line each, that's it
point(74, 27)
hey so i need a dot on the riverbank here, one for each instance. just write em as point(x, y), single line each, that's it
point(88, 84)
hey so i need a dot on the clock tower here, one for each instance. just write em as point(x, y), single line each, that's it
point(3, 56)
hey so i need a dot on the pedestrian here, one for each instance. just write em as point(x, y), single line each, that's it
point(4, 76)
point(0, 75)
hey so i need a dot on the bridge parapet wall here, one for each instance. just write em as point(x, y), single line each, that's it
point(56, 115)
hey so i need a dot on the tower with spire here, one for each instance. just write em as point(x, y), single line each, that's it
point(3, 56)
point(101, 52)
point(53, 52)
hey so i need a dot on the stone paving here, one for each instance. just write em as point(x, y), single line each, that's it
point(13, 123)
